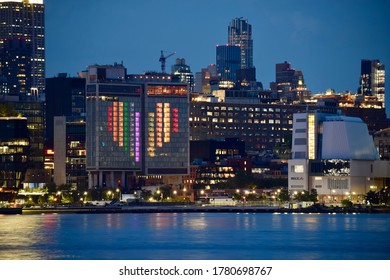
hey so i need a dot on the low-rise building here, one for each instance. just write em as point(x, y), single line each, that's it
point(334, 155)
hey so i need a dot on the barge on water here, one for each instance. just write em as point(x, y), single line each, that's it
point(10, 210)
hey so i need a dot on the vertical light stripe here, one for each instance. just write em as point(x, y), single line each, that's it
point(137, 137)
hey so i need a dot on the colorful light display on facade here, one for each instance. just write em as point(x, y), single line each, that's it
point(124, 124)
point(161, 124)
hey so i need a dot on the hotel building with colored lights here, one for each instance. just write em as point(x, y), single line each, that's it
point(134, 128)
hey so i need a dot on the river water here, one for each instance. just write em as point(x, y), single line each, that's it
point(195, 236)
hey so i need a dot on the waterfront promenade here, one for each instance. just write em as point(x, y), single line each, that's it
point(199, 209)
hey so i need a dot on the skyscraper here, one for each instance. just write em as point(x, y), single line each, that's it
point(24, 20)
point(228, 61)
point(240, 34)
point(372, 79)
point(15, 62)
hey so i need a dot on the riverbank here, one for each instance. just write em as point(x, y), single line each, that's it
point(200, 209)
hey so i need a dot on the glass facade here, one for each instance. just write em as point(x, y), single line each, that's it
point(138, 127)
point(35, 114)
point(228, 61)
point(114, 129)
point(334, 167)
point(372, 80)
point(260, 126)
point(240, 34)
point(167, 133)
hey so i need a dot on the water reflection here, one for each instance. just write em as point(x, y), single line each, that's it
point(195, 236)
point(21, 234)
point(195, 223)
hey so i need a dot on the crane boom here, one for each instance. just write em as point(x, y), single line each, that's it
point(163, 59)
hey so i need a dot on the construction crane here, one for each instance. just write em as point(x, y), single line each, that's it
point(163, 58)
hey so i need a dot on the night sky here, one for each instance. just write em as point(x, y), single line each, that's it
point(324, 39)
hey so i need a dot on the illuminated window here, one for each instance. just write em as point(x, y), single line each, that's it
point(297, 168)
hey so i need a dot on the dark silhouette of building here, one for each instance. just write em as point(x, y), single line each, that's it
point(15, 65)
point(65, 96)
point(14, 153)
point(216, 150)
point(382, 143)
point(289, 83)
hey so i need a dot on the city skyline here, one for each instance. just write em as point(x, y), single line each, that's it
point(325, 40)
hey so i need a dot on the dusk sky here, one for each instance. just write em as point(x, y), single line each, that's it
point(324, 39)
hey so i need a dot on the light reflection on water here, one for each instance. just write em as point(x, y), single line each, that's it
point(194, 236)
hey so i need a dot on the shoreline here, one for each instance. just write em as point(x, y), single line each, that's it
point(198, 209)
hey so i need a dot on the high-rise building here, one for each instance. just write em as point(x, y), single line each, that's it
point(24, 20)
point(287, 78)
point(134, 128)
point(15, 67)
point(372, 80)
point(240, 34)
point(289, 82)
point(183, 72)
point(228, 61)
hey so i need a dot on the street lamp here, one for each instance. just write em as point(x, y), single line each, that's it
point(162, 195)
point(59, 196)
point(119, 194)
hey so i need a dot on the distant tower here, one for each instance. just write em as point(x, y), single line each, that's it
point(372, 79)
point(25, 21)
point(205, 78)
point(287, 78)
point(228, 61)
point(240, 34)
point(183, 71)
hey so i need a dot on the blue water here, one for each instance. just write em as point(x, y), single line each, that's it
point(204, 236)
